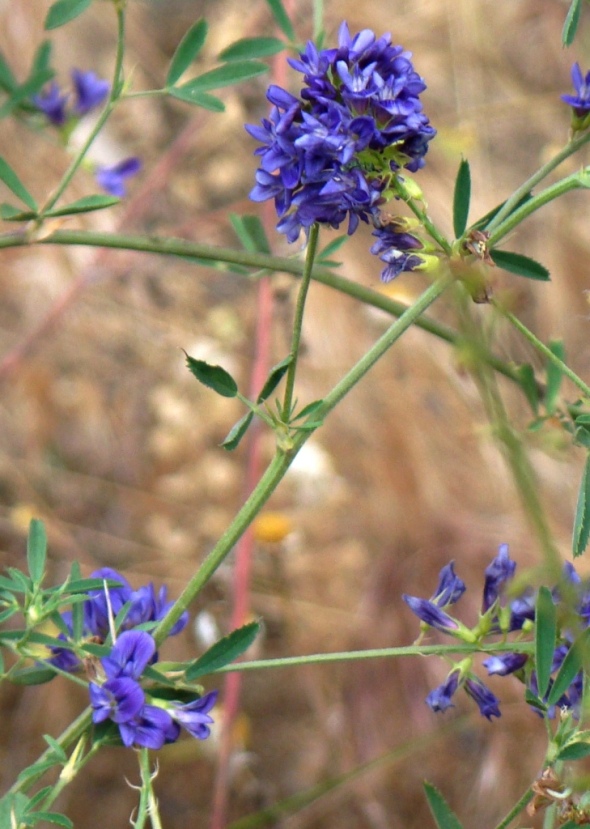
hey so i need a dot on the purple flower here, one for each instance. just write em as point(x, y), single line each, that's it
point(112, 179)
point(486, 701)
point(194, 716)
point(146, 606)
point(580, 102)
point(431, 614)
point(505, 663)
point(118, 699)
point(151, 727)
point(130, 655)
point(361, 98)
point(440, 698)
point(500, 571)
point(90, 91)
point(450, 587)
point(96, 608)
point(53, 104)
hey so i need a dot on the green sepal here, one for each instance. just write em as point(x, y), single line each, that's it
point(572, 20)
point(461, 198)
point(282, 18)
point(195, 96)
point(545, 637)
point(581, 532)
point(249, 48)
point(63, 11)
point(444, 817)
point(226, 75)
point(223, 652)
point(520, 265)
point(36, 550)
point(237, 432)
point(214, 377)
point(187, 50)
point(12, 181)
point(571, 665)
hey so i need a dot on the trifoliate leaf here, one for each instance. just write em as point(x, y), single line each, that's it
point(252, 47)
point(214, 377)
point(226, 75)
point(187, 50)
point(224, 651)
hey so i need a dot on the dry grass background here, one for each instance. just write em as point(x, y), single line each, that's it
point(105, 436)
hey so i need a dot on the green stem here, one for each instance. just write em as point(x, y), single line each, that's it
point(572, 182)
point(282, 460)
point(148, 803)
point(516, 809)
point(546, 352)
point(182, 247)
point(525, 188)
point(298, 320)
point(103, 117)
point(425, 220)
point(66, 778)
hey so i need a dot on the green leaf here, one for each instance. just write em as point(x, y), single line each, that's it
point(582, 519)
point(441, 811)
point(252, 47)
point(528, 384)
point(36, 550)
point(482, 223)
point(187, 50)
point(237, 432)
point(250, 231)
point(63, 11)
point(574, 751)
point(282, 18)
point(519, 264)
point(461, 198)
point(224, 651)
point(226, 75)
point(12, 181)
point(554, 375)
point(309, 409)
point(32, 676)
point(571, 665)
point(7, 80)
point(59, 752)
point(197, 98)
point(12, 809)
point(582, 432)
point(10, 213)
point(214, 377)
point(274, 378)
point(42, 59)
point(55, 818)
point(85, 205)
point(331, 248)
point(545, 635)
point(21, 95)
point(570, 26)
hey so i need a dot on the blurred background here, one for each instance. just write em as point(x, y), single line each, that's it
point(106, 437)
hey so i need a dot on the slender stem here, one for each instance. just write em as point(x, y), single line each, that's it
point(282, 460)
point(521, 803)
point(375, 653)
point(66, 778)
point(185, 248)
point(546, 352)
point(103, 117)
point(298, 320)
point(420, 214)
point(572, 182)
point(525, 188)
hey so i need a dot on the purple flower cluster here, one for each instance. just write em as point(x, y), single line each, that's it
point(116, 692)
point(329, 154)
point(89, 92)
point(503, 615)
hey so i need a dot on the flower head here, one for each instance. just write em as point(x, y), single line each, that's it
point(118, 699)
point(431, 614)
point(194, 716)
point(133, 651)
point(327, 155)
point(497, 574)
point(112, 179)
point(440, 698)
point(486, 701)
